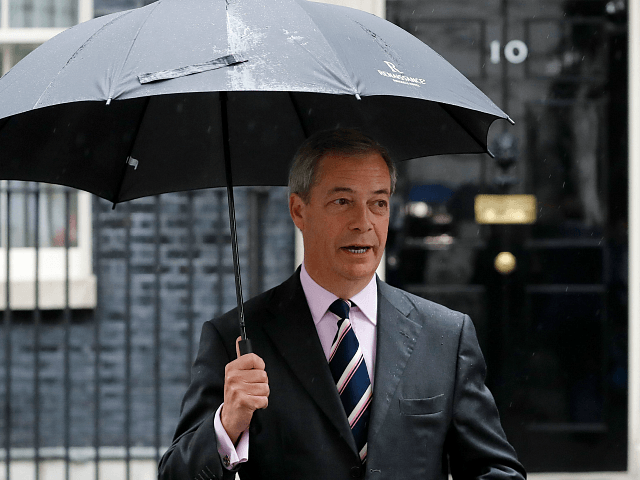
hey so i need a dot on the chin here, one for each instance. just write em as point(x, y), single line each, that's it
point(361, 273)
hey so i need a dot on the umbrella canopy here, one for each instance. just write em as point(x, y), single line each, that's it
point(128, 105)
point(191, 94)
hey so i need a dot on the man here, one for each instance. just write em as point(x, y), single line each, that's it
point(350, 377)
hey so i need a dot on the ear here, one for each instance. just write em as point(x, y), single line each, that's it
point(296, 210)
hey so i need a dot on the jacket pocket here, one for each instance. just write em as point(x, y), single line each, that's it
point(422, 406)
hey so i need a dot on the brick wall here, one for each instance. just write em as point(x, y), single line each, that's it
point(162, 261)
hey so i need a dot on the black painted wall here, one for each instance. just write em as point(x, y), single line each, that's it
point(162, 261)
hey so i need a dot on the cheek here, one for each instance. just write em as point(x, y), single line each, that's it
point(323, 232)
point(382, 228)
point(330, 228)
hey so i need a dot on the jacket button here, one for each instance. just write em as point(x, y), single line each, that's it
point(356, 472)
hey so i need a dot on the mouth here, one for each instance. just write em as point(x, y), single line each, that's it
point(357, 249)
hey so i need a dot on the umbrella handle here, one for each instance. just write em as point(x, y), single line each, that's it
point(245, 347)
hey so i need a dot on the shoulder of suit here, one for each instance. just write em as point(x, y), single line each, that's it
point(413, 305)
point(252, 306)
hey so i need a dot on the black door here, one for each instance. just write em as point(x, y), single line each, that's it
point(548, 293)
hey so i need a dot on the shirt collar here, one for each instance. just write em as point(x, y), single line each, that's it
point(319, 299)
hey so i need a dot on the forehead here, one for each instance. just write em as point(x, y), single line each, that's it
point(367, 169)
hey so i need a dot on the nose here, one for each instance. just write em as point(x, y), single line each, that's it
point(361, 220)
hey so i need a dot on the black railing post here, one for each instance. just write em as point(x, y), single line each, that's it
point(254, 242)
point(258, 199)
point(7, 346)
point(156, 334)
point(127, 343)
point(36, 333)
point(221, 245)
point(190, 283)
point(67, 342)
point(97, 254)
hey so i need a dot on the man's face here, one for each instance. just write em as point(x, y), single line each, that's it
point(345, 223)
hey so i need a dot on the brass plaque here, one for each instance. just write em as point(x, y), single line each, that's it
point(505, 209)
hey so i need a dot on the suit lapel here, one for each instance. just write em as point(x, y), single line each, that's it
point(397, 335)
point(293, 333)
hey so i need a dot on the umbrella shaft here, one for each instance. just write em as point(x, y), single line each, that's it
point(232, 214)
point(236, 261)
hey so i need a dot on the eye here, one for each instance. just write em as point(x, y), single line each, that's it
point(340, 201)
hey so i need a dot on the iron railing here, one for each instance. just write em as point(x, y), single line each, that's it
point(85, 388)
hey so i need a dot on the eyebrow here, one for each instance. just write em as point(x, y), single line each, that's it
point(350, 190)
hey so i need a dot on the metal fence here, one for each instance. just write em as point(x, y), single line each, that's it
point(94, 391)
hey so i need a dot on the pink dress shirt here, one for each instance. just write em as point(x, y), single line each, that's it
point(363, 317)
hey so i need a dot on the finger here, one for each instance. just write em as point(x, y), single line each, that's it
point(254, 390)
point(262, 403)
point(250, 397)
point(246, 376)
point(254, 376)
point(255, 402)
point(248, 362)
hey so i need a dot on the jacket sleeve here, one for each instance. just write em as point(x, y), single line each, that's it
point(476, 443)
point(193, 454)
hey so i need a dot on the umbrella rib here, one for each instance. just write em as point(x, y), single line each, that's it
point(75, 54)
point(133, 143)
point(473, 136)
point(296, 108)
point(345, 72)
point(115, 77)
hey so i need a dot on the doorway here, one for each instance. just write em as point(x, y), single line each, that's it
point(548, 294)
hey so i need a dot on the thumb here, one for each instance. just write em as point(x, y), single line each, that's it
point(238, 347)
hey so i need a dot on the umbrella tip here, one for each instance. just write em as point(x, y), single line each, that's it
point(109, 101)
point(358, 96)
point(510, 120)
point(113, 207)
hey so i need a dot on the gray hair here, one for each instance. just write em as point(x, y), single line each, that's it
point(303, 173)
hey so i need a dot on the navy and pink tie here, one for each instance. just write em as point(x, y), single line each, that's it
point(351, 376)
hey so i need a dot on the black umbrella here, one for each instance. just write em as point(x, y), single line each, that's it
point(190, 94)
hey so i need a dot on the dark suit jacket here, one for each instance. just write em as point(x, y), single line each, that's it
point(431, 410)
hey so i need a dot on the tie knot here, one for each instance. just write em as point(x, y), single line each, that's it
point(340, 308)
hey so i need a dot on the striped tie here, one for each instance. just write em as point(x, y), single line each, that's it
point(350, 374)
